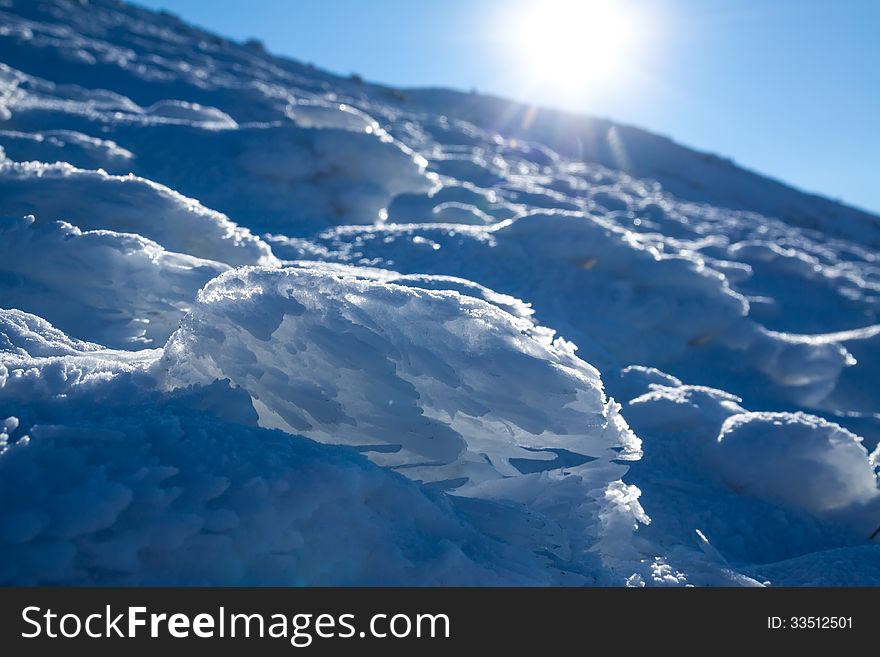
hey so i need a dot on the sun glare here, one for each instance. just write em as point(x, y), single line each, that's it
point(571, 45)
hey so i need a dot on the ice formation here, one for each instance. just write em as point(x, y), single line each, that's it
point(130, 292)
point(127, 204)
point(260, 324)
point(109, 482)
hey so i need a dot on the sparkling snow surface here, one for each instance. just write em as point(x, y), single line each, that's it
point(260, 324)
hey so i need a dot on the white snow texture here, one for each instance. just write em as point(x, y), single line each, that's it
point(260, 324)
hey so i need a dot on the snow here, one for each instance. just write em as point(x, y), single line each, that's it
point(157, 489)
point(64, 145)
point(260, 324)
point(148, 490)
point(127, 204)
point(804, 461)
point(647, 304)
point(132, 293)
point(448, 389)
point(283, 176)
point(760, 487)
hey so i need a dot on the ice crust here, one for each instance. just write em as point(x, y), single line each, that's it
point(261, 324)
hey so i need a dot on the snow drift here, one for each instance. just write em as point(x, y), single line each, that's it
point(126, 204)
point(131, 293)
point(448, 389)
point(106, 481)
point(262, 324)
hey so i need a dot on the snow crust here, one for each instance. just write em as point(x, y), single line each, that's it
point(108, 481)
point(260, 324)
point(127, 204)
point(805, 461)
point(131, 292)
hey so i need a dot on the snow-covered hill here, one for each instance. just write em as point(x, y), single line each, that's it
point(263, 324)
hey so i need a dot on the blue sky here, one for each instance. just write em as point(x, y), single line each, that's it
point(789, 88)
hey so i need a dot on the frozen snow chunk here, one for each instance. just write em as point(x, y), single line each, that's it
point(127, 204)
point(322, 114)
point(465, 287)
point(622, 297)
point(806, 367)
point(129, 291)
point(797, 459)
point(450, 379)
point(69, 146)
point(282, 177)
point(152, 494)
point(37, 361)
point(23, 334)
point(638, 379)
point(506, 302)
point(446, 387)
point(684, 409)
point(205, 117)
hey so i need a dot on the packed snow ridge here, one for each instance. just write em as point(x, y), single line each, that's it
point(260, 324)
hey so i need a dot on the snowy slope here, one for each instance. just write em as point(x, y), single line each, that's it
point(263, 324)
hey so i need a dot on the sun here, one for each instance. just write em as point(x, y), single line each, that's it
point(572, 45)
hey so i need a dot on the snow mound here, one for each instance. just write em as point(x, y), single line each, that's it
point(105, 480)
point(762, 504)
point(192, 113)
point(331, 356)
point(434, 242)
point(127, 204)
point(131, 292)
point(280, 176)
point(622, 297)
point(316, 165)
point(683, 408)
point(637, 154)
point(38, 361)
point(451, 203)
point(449, 389)
point(23, 335)
point(70, 146)
point(161, 495)
point(181, 487)
point(801, 460)
point(635, 380)
point(323, 114)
